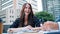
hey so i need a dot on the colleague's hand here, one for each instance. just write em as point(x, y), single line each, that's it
point(49, 25)
point(36, 28)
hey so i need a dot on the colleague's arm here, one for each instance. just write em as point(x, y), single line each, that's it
point(49, 25)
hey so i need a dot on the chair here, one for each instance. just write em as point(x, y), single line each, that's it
point(1, 26)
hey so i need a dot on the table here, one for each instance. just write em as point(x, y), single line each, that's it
point(4, 33)
point(41, 32)
point(24, 33)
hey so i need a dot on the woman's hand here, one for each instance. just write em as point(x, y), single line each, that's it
point(29, 27)
point(36, 28)
point(11, 30)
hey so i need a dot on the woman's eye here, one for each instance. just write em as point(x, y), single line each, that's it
point(28, 8)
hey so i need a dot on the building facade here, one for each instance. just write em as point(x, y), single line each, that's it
point(11, 9)
point(52, 6)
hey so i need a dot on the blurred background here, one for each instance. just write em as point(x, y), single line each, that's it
point(10, 10)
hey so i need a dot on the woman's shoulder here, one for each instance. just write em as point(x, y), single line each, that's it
point(17, 19)
point(35, 17)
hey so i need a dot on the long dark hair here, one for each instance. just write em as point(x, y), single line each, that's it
point(30, 16)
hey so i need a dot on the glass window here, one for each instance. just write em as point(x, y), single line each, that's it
point(3, 17)
point(4, 21)
point(25, 0)
point(7, 4)
point(11, 21)
point(3, 1)
point(19, 3)
point(34, 0)
point(12, 16)
point(12, 11)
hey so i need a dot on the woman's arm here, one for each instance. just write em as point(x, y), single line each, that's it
point(15, 24)
point(38, 21)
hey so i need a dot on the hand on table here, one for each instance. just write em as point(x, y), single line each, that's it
point(47, 26)
point(11, 30)
point(29, 27)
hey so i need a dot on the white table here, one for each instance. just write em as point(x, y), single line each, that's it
point(4, 33)
point(42, 32)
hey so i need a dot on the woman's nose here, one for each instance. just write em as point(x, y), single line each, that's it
point(27, 9)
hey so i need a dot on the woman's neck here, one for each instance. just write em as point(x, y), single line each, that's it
point(26, 20)
point(26, 17)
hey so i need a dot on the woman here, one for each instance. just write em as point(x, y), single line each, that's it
point(26, 18)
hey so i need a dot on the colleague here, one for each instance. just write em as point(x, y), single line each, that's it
point(47, 26)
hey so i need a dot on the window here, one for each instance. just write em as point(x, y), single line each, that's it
point(11, 11)
point(11, 16)
point(34, 0)
point(25, 0)
point(11, 21)
point(3, 1)
point(34, 4)
point(19, 3)
point(7, 4)
point(4, 21)
point(3, 17)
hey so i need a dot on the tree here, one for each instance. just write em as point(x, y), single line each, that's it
point(45, 15)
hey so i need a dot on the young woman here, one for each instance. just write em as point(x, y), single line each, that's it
point(27, 18)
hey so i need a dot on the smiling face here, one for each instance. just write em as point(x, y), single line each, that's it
point(27, 12)
point(27, 9)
